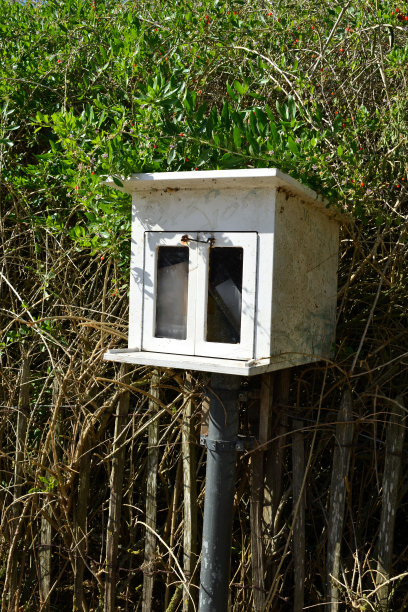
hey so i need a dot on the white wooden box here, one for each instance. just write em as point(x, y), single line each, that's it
point(274, 296)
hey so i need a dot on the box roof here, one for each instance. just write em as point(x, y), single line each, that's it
point(248, 178)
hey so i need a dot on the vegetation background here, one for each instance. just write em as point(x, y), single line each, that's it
point(96, 88)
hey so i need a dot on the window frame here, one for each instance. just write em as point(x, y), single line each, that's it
point(154, 240)
point(199, 244)
point(248, 241)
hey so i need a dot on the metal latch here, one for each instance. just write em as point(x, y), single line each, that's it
point(186, 239)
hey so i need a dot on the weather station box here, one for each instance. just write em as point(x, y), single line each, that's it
point(232, 271)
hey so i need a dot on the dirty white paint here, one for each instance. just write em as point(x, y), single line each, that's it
point(290, 268)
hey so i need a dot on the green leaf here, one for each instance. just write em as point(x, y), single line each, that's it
point(281, 108)
point(291, 107)
point(261, 118)
point(293, 146)
point(255, 95)
point(171, 156)
point(189, 101)
point(216, 139)
point(200, 112)
point(236, 133)
point(228, 160)
point(231, 93)
point(239, 87)
point(237, 119)
point(339, 150)
point(269, 112)
point(274, 132)
point(225, 114)
point(106, 208)
point(204, 157)
point(254, 147)
point(253, 123)
point(117, 181)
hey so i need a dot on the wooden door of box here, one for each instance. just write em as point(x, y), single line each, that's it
point(199, 293)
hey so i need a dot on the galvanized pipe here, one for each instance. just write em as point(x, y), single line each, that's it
point(219, 492)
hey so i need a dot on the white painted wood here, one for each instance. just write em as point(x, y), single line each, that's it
point(136, 282)
point(304, 291)
point(248, 242)
point(240, 367)
point(195, 342)
point(265, 259)
point(153, 240)
point(233, 210)
point(294, 280)
point(241, 178)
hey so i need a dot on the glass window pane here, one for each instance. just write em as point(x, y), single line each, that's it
point(224, 295)
point(172, 292)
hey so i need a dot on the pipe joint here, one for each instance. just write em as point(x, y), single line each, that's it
point(240, 444)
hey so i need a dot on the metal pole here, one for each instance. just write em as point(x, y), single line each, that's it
point(219, 492)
